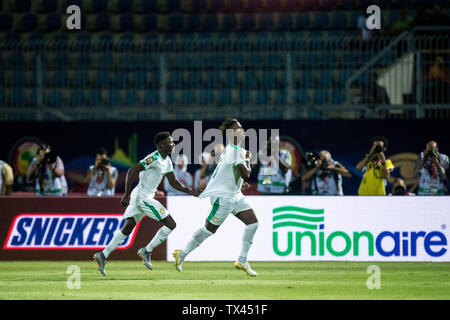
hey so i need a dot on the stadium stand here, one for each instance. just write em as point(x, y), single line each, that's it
point(209, 52)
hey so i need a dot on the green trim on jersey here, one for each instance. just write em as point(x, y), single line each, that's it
point(213, 210)
point(155, 212)
point(237, 147)
point(159, 154)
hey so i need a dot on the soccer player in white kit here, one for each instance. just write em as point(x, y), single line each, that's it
point(140, 201)
point(224, 191)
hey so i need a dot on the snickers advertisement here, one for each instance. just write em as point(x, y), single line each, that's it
point(69, 228)
point(65, 231)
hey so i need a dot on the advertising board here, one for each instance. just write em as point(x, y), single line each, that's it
point(302, 228)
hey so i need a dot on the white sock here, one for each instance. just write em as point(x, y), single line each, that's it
point(197, 238)
point(247, 241)
point(159, 238)
point(116, 241)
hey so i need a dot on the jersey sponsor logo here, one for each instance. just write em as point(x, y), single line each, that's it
point(65, 231)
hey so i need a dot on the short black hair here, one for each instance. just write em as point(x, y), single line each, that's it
point(102, 151)
point(160, 136)
point(227, 123)
point(380, 138)
point(44, 147)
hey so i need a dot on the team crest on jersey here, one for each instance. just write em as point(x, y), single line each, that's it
point(216, 219)
point(149, 160)
point(162, 211)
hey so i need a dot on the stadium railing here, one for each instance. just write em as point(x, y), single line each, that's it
point(303, 75)
point(417, 81)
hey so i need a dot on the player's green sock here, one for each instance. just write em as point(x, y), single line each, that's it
point(159, 238)
point(116, 241)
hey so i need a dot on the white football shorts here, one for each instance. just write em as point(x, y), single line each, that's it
point(138, 208)
point(221, 207)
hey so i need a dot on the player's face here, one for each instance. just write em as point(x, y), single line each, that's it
point(168, 145)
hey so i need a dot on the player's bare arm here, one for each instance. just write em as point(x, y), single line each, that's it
point(177, 185)
point(131, 174)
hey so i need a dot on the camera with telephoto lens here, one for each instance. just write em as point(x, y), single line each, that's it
point(399, 191)
point(378, 149)
point(104, 162)
point(325, 164)
point(50, 157)
point(431, 153)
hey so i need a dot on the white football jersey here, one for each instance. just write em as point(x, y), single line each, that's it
point(155, 168)
point(226, 179)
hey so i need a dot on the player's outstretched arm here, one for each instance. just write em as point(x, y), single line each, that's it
point(131, 174)
point(177, 185)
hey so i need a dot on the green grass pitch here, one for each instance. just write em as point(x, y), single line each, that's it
point(220, 281)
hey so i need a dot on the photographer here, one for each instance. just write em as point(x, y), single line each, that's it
point(102, 176)
point(47, 169)
point(199, 183)
point(326, 176)
point(430, 171)
point(206, 171)
point(399, 188)
point(270, 182)
point(377, 169)
point(181, 173)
